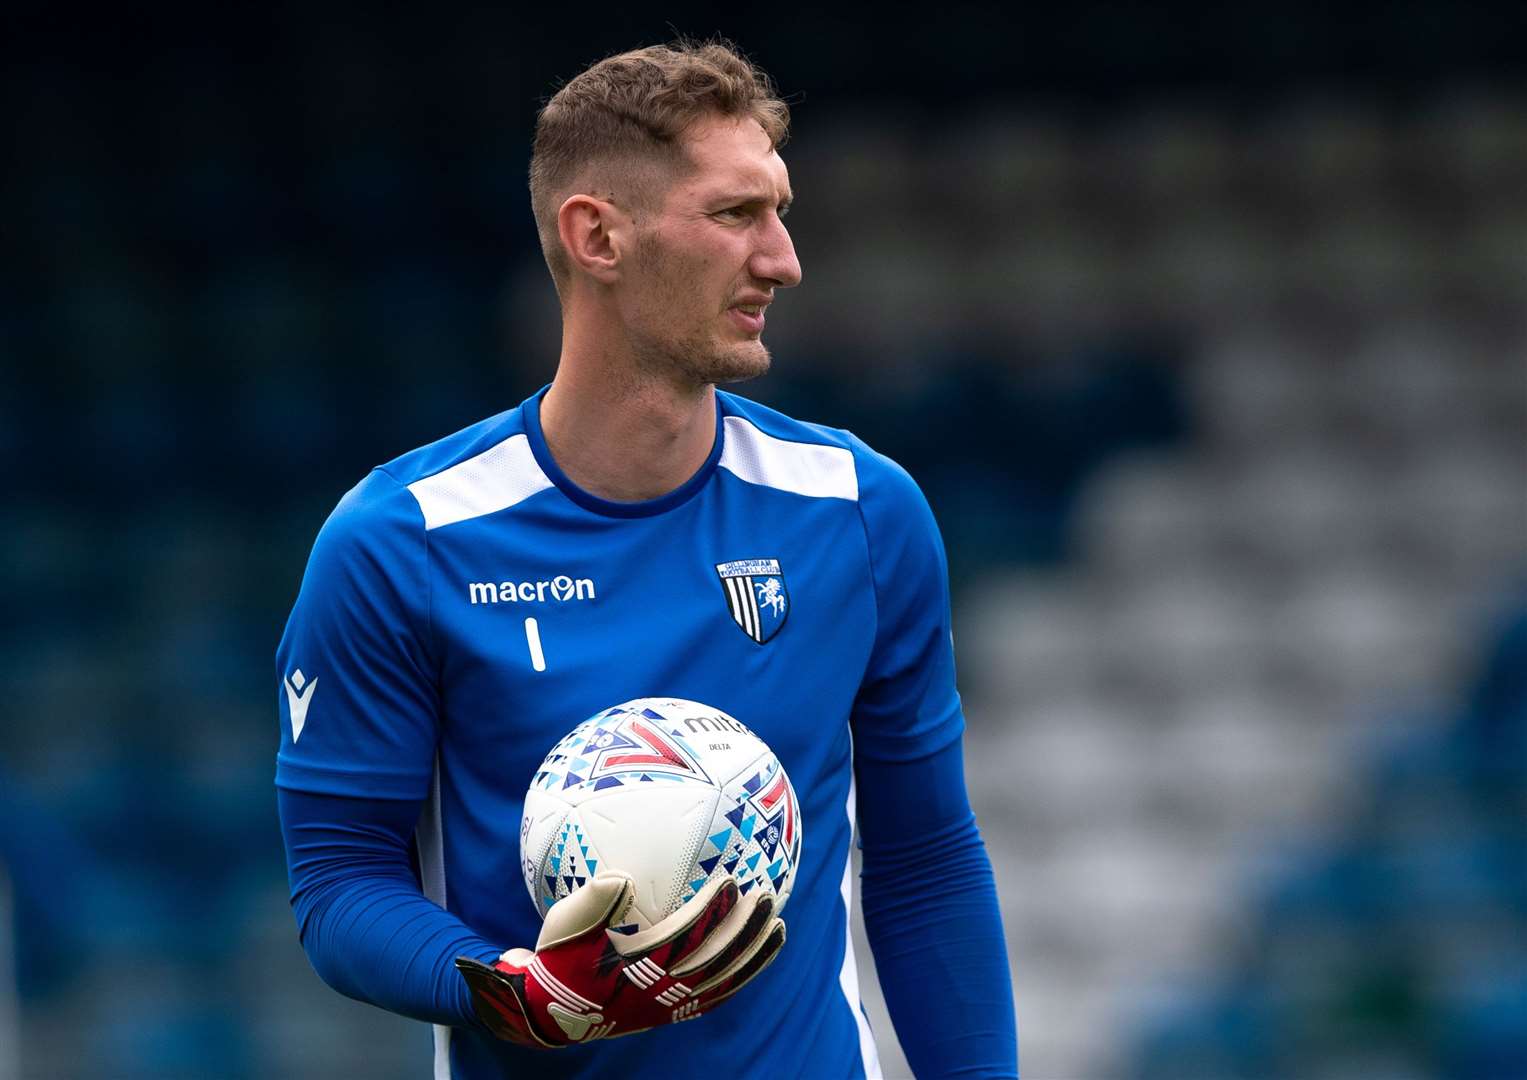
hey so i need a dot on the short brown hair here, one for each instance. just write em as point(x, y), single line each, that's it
point(631, 110)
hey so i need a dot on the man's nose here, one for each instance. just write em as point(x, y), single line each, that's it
point(775, 259)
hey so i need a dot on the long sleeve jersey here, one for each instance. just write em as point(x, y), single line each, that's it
point(466, 605)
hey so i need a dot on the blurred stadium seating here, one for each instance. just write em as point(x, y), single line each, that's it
point(1194, 738)
point(1224, 414)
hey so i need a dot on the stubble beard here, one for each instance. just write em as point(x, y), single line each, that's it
point(698, 358)
point(700, 361)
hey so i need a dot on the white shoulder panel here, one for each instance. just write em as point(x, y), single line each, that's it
point(821, 472)
point(494, 480)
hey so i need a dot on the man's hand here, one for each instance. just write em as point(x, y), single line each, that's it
point(585, 982)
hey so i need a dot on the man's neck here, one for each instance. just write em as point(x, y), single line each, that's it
point(625, 437)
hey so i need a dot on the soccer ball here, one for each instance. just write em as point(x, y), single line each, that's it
point(668, 791)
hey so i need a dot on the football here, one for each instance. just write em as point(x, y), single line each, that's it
point(667, 791)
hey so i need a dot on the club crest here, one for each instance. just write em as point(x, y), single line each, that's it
point(756, 596)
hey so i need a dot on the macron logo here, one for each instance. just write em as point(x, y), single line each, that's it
point(561, 588)
point(299, 695)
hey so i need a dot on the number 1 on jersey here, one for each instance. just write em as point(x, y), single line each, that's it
point(533, 639)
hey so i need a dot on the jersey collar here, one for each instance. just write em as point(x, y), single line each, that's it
point(531, 410)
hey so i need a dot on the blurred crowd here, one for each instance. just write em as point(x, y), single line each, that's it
point(1223, 411)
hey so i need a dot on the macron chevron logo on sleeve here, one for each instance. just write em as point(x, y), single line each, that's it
point(299, 695)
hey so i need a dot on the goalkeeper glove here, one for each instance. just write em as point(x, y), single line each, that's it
point(586, 982)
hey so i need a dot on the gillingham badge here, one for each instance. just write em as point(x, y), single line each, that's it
point(755, 594)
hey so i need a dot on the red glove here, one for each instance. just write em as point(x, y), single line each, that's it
point(585, 982)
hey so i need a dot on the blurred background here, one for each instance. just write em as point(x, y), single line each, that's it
point(1205, 331)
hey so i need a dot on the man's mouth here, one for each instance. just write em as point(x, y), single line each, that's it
point(748, 317)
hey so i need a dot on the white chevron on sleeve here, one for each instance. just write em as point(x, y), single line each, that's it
point(299, 695)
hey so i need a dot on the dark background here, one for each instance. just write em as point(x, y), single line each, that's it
point(1202, 328)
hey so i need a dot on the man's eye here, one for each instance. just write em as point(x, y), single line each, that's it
point(733, 212)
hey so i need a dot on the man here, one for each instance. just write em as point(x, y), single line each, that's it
point(433, 657)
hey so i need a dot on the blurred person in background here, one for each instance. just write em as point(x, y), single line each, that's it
point(411, 701)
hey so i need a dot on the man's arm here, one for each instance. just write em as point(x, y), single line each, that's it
point(358, 704)
point(367, 929)
point(930, 903)
point(931, 915)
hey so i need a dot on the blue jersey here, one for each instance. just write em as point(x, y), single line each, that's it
point(466, 605)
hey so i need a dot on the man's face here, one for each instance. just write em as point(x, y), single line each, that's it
point(708, 260)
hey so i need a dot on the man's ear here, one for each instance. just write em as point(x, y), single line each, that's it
point(596, 235)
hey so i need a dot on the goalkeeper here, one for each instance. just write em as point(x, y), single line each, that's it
point(631, 530)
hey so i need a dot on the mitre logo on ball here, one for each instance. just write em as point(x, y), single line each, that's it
point(668, 791)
